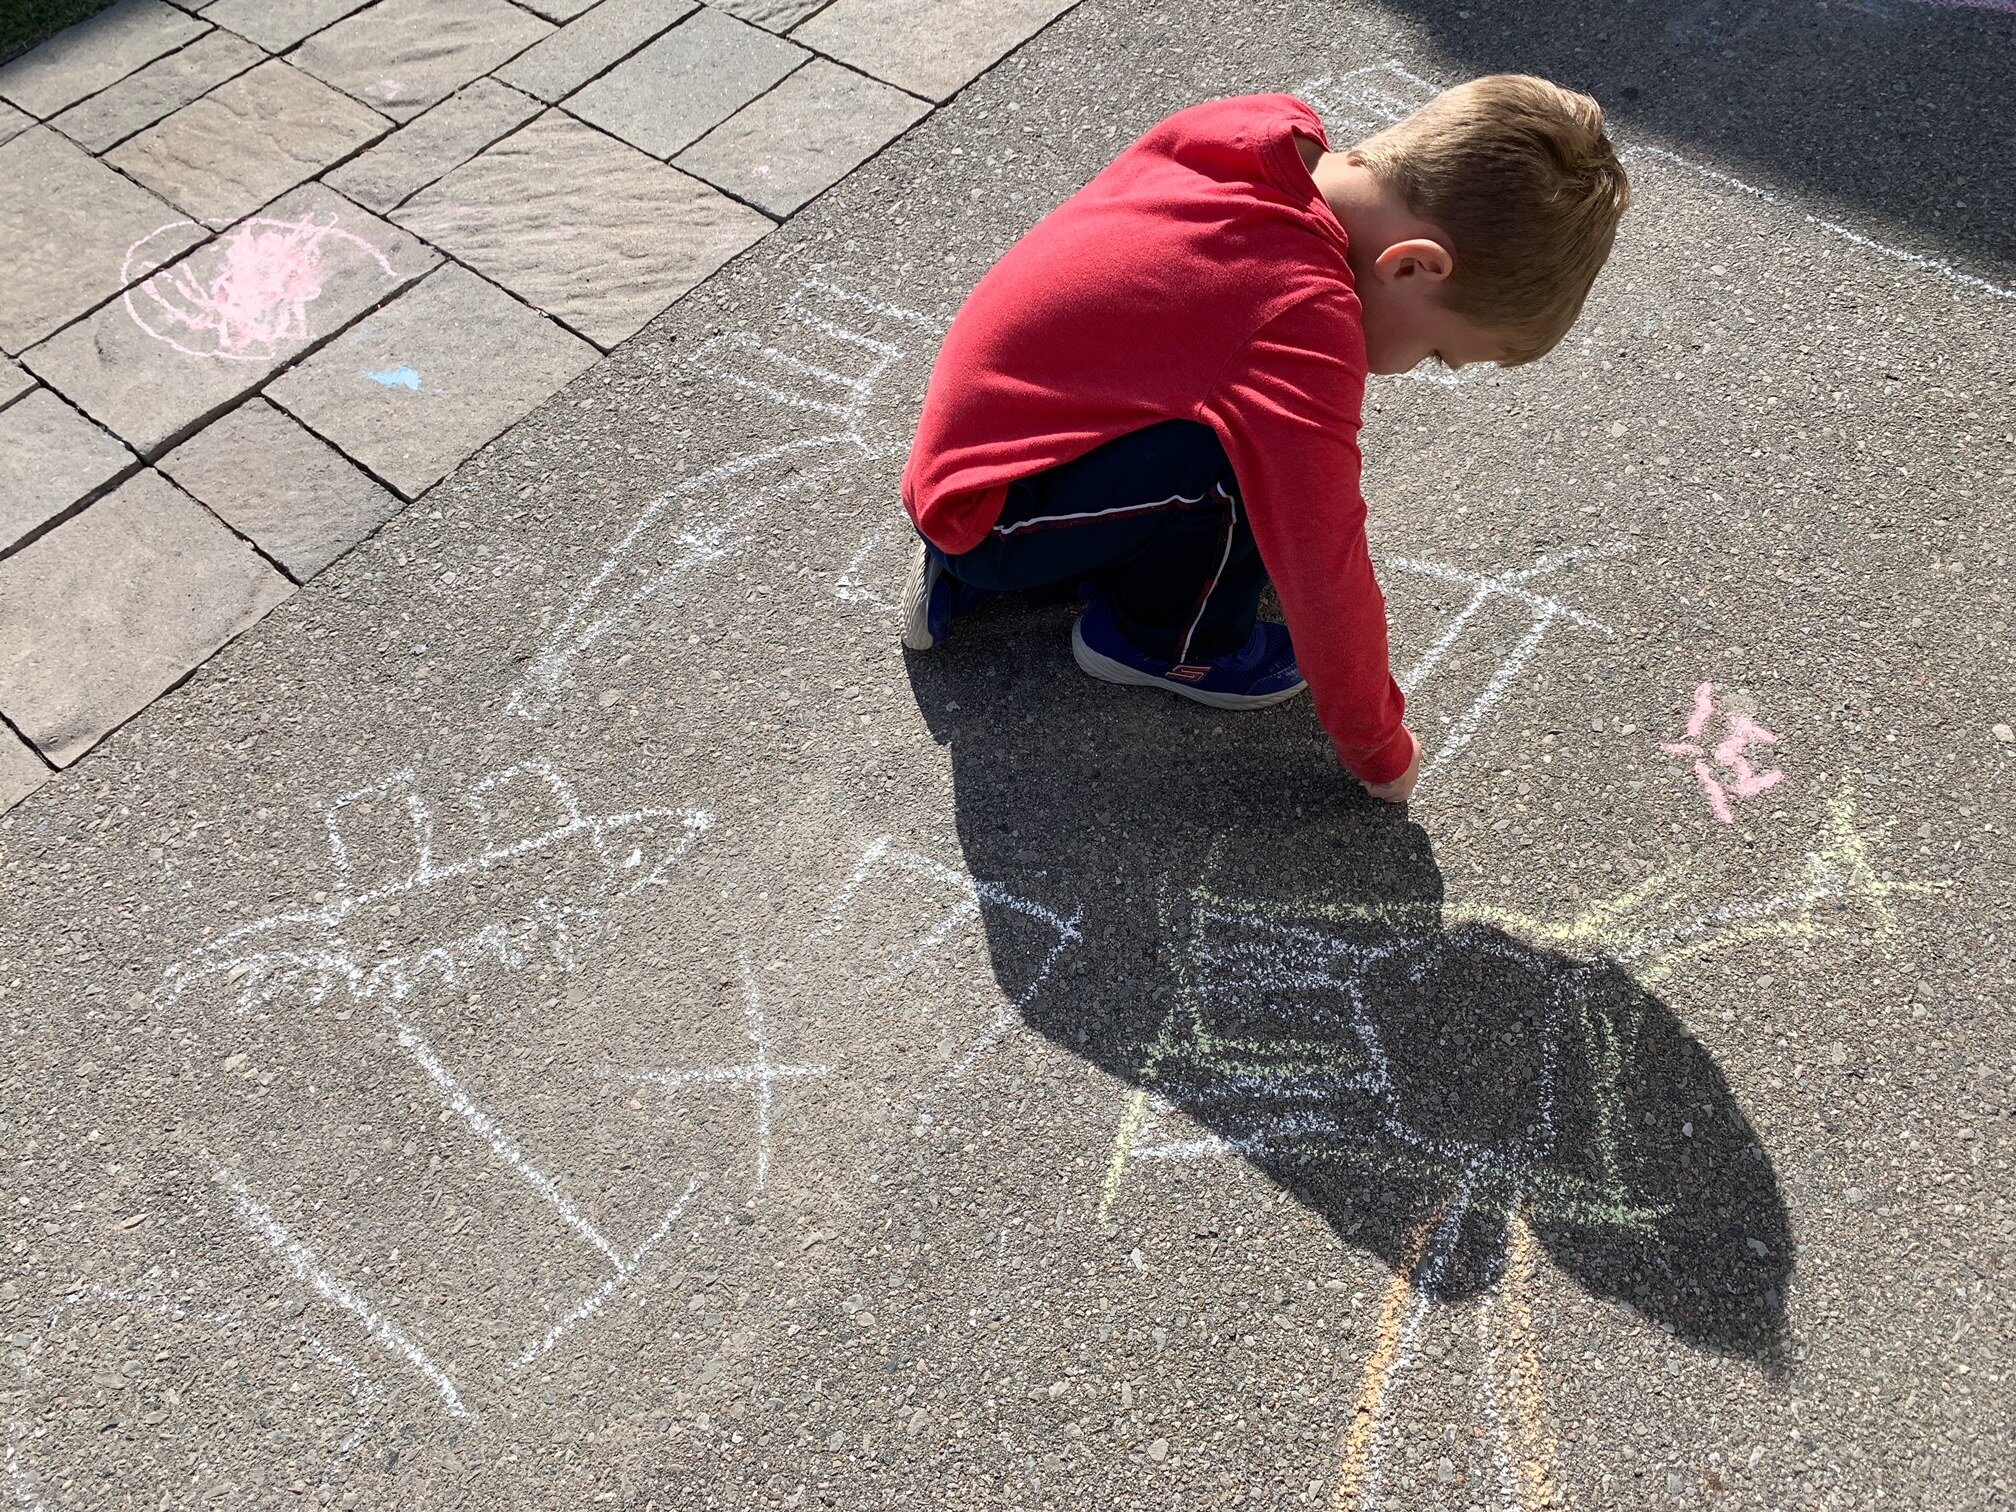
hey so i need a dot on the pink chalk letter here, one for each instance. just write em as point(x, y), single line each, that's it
point(1725, 769)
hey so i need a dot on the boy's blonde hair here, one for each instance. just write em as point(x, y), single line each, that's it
point(1518, 173)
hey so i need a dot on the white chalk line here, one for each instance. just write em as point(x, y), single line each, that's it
point(972, 892)
point(302, 1264)
point(215, 959)
point(1933, 265)
point(594, 1301)
point(1338, 95)
point(760, 1075)
point(1251, 963)
point(1485, 587)
point(505, 942)
point(501, 1144)
point(852, 586)
point(1425, 1282)
point(588, 619)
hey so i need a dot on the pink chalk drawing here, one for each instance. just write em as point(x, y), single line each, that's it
point(1736, 776)
point(245, 297)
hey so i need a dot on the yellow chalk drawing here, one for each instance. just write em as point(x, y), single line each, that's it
point(1130, 1125)
point(1649, 929)
point(1312, 954)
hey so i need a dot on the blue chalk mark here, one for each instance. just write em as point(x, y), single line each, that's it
point(399, 377)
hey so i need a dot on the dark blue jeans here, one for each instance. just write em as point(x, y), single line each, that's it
point(1155, 520)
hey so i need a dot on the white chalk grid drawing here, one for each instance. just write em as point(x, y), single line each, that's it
point(398, 863)
point(1276, 1016)
point(843, 349)
point(1513, 587)
point(88, 1404)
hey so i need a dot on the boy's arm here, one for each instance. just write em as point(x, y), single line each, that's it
point(1288, 408)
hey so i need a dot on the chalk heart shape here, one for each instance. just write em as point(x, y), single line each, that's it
point(247, 296)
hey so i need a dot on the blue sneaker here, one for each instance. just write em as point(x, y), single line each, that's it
point(1260, 673)
point(931, 597)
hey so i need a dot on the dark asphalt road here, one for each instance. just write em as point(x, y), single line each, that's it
point(566, 1013)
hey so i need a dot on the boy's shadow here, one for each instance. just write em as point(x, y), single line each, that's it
point(1265, 951)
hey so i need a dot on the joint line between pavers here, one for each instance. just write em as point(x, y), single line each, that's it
point(91, 496)
point(114, 146)
point(610, 67)
point(503, 136)
point(26, 743)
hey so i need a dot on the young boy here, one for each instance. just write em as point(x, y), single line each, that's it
point(1159, 387)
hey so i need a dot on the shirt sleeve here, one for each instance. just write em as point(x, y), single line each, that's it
point(1288, 407)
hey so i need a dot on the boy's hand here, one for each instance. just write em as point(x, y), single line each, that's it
point(1401, 788)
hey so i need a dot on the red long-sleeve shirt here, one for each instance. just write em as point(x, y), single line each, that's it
point(1199, 277)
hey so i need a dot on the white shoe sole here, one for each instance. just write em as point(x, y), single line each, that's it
point(917, 602)
point(1108, 670)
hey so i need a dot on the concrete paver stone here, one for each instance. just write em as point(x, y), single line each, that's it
point(771, 15)
point(932, 49)
point(582, 49)
point(13, 122)
point(50, 457)
point(557, 10)
point(594, 233)
point(188, 342)
point(246, 142)
point(291, 493)
point(161, 88)
point(403, 55)
point(430, 145)
point(95, 53)
point(73, 233)
point(110, 609)
point(690, 80)
point(13, 381)
point(428, 379)
point(21, 770)
point(277, 25)
point(804, 136)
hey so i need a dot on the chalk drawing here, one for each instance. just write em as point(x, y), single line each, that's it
point(1369, 99)
point(399, 377)
point(1333, 1097)
point(225, 1329)
point(855, 585)
point(302, 956)
point(759, 1075)
point(1729, 756)
point(1512, 586)
point(302, 951)
point(245, 297)
point(704, 519)
point(301, 1263)
point(883, 859)
point(1486, 588)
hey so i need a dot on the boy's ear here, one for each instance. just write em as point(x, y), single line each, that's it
point(1421, 258)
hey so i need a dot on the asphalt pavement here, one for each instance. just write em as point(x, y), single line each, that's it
point(565, 1012)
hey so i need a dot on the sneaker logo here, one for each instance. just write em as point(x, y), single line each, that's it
point(1189, 671)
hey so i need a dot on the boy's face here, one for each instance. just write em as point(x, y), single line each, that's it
point(1406, 323)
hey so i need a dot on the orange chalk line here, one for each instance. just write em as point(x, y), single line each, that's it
point(1539, 1481)
point(1531, 1449)
point(1354, 1474)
